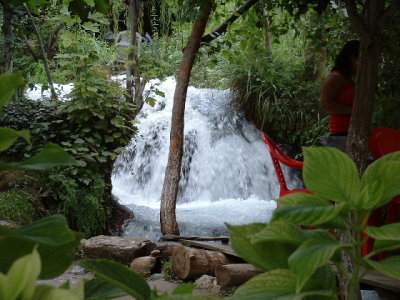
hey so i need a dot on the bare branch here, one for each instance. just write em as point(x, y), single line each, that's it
point(53, 39)
point(223, 27)
point(30, 49)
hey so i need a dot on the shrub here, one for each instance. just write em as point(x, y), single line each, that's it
point(17, 206)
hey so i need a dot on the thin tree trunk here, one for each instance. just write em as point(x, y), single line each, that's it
point(224, 26)
point(264, 17)
point(8, 44)
point(173, 170)
point(134, 84)
point(42, 53)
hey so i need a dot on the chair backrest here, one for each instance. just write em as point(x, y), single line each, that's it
point(278, 156)
point(383, 141)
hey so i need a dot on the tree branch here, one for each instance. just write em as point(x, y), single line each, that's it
point(53, 39)
point(30, 49)
point(222, 28)
point(42, 52)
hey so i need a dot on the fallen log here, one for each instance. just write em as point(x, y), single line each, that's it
point(235, 274)
point(189, 263)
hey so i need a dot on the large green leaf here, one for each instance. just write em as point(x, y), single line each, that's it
point(330, 173)
point(119, 275)
point(22, 276)
point(386, 237)
point(287, 233)
point(277, 284)
point(8, 136)
point(98, 288)
point(385, 232)
point(8, 84)
point(265, 255)
point(56, 245)
point(306, 209)
point(309, 257)
point(184, 289)
point(389, 266)
point(51, 156)
point(380, 181)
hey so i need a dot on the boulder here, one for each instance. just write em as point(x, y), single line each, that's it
point(123, 250)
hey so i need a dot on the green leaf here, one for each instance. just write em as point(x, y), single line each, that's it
point(264, 255)
point(183, 289)
point(22, 277)
point(8, 85)
point(151, 101)
point(310, 256)
point(290, 234)
point(305, 209)
point(102, 6)
point(99, 288)
point(122, 277)
point(389, 266)
point(330, 173)
point(56, 244)
point(93, 27)
point(386, 237)
point(381, 179)
point(8, 136)
point(99, 17)
point(51, 156)
point(385, 232)
point(274, 285)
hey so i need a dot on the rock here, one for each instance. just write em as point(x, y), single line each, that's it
point(205, 282)
point(123, 250)
point(143, 265)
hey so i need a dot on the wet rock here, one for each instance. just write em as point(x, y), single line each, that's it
point(123, 250)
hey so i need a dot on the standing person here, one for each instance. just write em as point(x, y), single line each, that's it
point(338, 93)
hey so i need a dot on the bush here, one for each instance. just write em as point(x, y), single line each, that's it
point(82, 204)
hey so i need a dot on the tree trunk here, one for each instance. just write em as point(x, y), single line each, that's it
point(7, 30)
point(134, 84)
point(264, 17)
point(42, 54)
point(369, 27)
point(189, 263)
point(173, 170)
point(235, 274)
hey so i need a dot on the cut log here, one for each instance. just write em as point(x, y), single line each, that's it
point(189, 263)
point(235, 274)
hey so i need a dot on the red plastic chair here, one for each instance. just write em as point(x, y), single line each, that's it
point(279, 157)
point(383, 141)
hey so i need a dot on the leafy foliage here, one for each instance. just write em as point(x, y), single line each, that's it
point(304, 268)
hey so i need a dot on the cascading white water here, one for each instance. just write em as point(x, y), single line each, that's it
point(227, 175)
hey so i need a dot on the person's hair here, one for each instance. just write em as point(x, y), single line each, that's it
point(342, 61)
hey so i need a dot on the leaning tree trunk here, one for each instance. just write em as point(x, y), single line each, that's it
point(42, 54)
point(173, 170)
point(369, 26)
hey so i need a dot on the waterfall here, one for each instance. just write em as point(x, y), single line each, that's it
point(227, 174)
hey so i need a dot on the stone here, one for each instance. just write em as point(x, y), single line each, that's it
point(119, 249)
point(205, 282)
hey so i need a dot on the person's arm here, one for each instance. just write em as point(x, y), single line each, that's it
point(330, 92)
